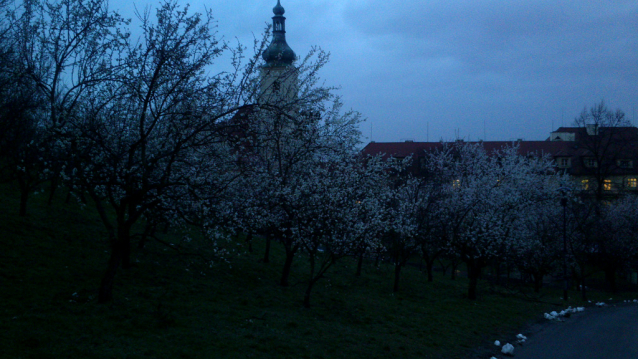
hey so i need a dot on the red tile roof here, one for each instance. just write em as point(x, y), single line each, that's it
point(576, 150)
point(404, 149)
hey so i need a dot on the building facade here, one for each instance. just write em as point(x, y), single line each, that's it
point(603, 161)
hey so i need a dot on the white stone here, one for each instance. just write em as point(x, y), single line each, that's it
point(508, 349)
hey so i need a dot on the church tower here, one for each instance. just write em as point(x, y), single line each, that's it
point(278, 75)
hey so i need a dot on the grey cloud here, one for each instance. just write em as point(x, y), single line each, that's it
point(498, 36)
point(432, 66)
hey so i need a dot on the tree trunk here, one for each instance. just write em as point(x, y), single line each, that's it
point(120, 255)
point(397, 275)
point(429, 263)
point(509, 276)
point(311, 282)
point(359, 265)
point(285, 274)
point(125, 242)
point(149, 231)
point(583, 286)
point(267, 250)
point(429, 267)
point(473, 273)
point(306, 297)
point(24, 197)
point(610, 277)
point(249, 240)
point(105, 293)
point(443, 267)
point(454, 266)
point(497, 273)
point(576, 278)
point(53, 188)
point(538, 282)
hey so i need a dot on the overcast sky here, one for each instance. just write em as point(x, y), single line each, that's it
point(479, 69)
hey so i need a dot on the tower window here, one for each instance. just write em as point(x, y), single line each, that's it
point(275, 86)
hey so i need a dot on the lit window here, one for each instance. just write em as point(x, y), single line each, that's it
point(607, 185)
point(632, 183)
point(456, 183)
point(584, 184)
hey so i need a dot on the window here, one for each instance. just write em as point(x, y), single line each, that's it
point(275, 86)
point(625, 163)
point(607, 185)
point(456, 183)
point(590, 162)
point(584, 185)
point(632, 183)
point(564, 162)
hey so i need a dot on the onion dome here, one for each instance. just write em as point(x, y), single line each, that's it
point(278, 53)
point(278, 9)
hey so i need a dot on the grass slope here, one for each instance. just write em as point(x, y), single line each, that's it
point(173, 306)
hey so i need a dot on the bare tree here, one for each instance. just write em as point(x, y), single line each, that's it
point(608, 144)
point(151, 142)
point(21, 139)
point(605, 139)
point(63, 49)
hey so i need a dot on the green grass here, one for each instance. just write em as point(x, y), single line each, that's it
point(170, 306)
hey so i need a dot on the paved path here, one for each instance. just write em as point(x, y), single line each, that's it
point(597, 333)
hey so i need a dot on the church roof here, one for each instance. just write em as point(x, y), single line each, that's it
point(278, 53)
point(278, 9)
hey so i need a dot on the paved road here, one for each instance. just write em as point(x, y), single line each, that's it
point(597, 333)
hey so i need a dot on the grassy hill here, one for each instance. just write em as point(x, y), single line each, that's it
point(172, 305)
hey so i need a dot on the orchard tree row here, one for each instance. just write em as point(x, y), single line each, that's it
point(148, 132)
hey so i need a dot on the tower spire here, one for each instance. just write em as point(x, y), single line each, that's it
point(278, 53)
